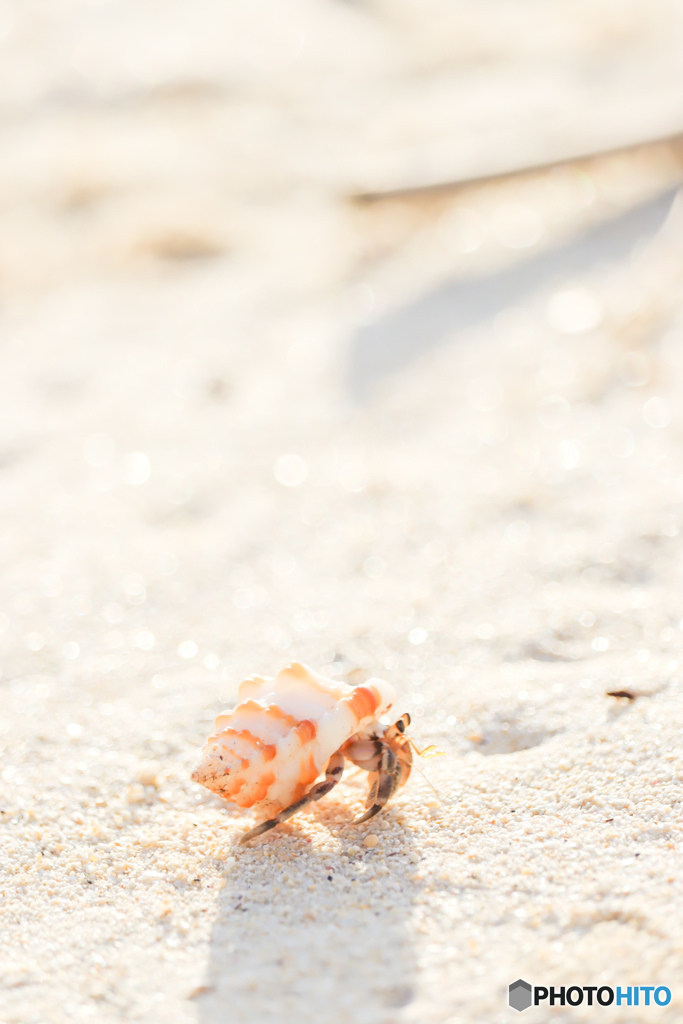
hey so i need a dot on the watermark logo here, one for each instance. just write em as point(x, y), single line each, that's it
point(522, 995)
point(519, 995)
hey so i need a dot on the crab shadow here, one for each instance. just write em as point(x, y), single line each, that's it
point(314, 925)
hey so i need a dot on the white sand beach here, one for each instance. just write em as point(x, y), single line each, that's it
point(264, 399)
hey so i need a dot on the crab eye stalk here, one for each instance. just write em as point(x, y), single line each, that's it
point(403, 722)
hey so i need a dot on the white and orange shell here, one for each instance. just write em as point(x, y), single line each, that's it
point(267, 752)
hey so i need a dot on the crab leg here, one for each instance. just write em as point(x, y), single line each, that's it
point(384, 782)
point(333, 774)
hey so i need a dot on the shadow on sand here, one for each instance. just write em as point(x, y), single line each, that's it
point(315, 929)
point(398, 338)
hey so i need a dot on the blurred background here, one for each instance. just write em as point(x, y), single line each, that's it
point(343, 330)
point(293, 296)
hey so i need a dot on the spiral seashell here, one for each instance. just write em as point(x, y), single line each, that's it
point(274, 744)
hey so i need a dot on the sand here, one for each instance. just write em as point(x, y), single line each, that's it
point(215, 458)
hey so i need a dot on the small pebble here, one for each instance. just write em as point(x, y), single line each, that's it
point(148, 773)
point(371, 841)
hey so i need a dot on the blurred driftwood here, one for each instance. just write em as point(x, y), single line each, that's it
point(420, 188)
point(400, 336)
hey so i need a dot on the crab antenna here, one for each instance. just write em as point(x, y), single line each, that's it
point(431, 786)
point(429, 751)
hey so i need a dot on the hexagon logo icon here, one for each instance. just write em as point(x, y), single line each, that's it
point(519, 995)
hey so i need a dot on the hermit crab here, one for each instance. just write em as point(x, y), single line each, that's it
point(268, 752)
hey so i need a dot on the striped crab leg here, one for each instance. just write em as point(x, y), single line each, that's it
point(388, 760)
point(333, 774)
point(383, 783)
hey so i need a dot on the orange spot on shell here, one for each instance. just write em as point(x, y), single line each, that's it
point(306, 730)
point(248, 737)
point(275, 712)
point(265, 782)
point(364, 702)
point(309, 769)
point(308, 773)
point(245, 801)
point(267, 749)
point(232, 787)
